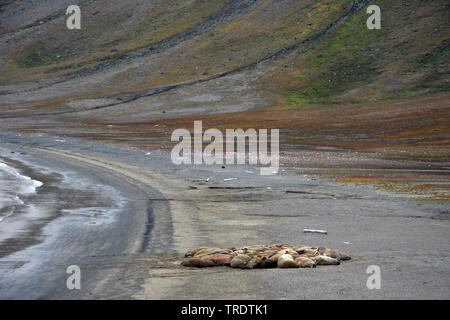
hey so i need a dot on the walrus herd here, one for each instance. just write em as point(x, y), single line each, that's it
point(260, 256)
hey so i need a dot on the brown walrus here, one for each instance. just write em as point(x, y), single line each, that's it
point(304, 262)
point(197, 263)
point(274, 258)
point(336, 254)
point(322, 260)
point(344, 256)
point(268, 263)
point(192, 253)
point(261, 256)
point(286, 261)
point(255, 262)
point(207, 252)
point(240, 261)
point(219, 259)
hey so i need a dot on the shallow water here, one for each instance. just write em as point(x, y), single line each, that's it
point(36, 193)
point(13, 187)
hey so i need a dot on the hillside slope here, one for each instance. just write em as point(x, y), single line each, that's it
point(134, 62)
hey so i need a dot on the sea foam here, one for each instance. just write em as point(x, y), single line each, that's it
point(13, 186)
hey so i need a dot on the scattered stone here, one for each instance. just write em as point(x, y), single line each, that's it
point(263, 256)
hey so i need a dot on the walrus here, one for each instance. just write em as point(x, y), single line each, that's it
point(344, 256)
point(240, 261)
point(243, 250)
point(220, 259)
point(198, 263)
point(301, 248)
point(307, 252)
point(192, 253)
point(335, 254)
point(261, 256)
point(324, 260)
point(254, 262)
point(331, 253)
point(207, 252)
point(258, 248)
point(286, 261)
point(268, 263)
point(304, 262)
point(274, 258)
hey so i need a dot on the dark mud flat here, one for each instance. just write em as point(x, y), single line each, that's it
point(90, 217)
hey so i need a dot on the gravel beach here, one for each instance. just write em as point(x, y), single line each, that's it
point(96, 97)
point(167, 210)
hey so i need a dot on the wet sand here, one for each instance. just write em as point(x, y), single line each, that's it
point(407, 237)
point(81, 227)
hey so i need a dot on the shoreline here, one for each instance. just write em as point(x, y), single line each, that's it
point(189, 212)
point(38, 270)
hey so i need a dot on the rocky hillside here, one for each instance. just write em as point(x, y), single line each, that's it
point(136, 61)
point(312, 51)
